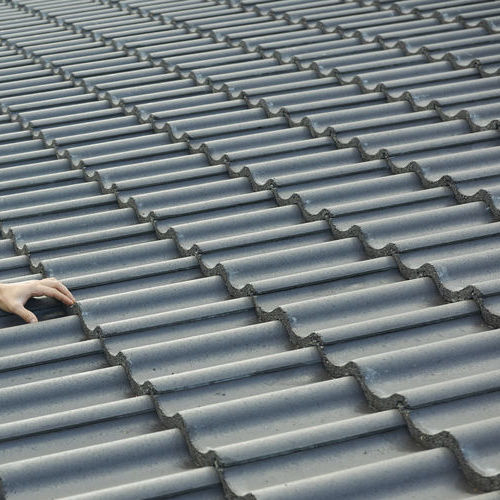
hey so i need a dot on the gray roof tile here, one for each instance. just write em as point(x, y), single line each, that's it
point(86, 240)
point(145, 458)
point(164, 219)
point(77, 428)
point(23, 339)
point(429, 472)
point(270, 240)
point(149, 300)
point(310, 316)
point(402, 33)
point(232, 381)
point(347, 444)
point(140, 277)
point(204, 351)
point(226, 229)
point(246, 273)
point(156, 198)
point(197, 484)
point(424, 382)
point(326, 282)
point(44, 397)
point(251, 38)
point(178, 324)
point(258, 417)
point(345, 345)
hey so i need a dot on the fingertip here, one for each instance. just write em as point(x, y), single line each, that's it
point(32, 318)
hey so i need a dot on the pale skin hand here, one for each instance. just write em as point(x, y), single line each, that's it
point(13, 296)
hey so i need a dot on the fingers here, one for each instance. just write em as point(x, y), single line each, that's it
point(13, 296)
point(22, 312)
point(52, 282)
point(53, 292)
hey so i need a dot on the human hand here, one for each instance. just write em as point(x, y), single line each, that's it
point(13, 296)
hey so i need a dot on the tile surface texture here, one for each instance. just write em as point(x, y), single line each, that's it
point(280, 220)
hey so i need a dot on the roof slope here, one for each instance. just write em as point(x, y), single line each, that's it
point(280, 222)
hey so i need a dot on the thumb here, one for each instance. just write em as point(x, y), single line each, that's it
point(28, 316)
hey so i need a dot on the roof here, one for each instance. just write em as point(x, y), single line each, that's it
point(280, 223)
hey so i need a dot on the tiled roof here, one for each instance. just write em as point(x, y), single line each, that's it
point(280, 221)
